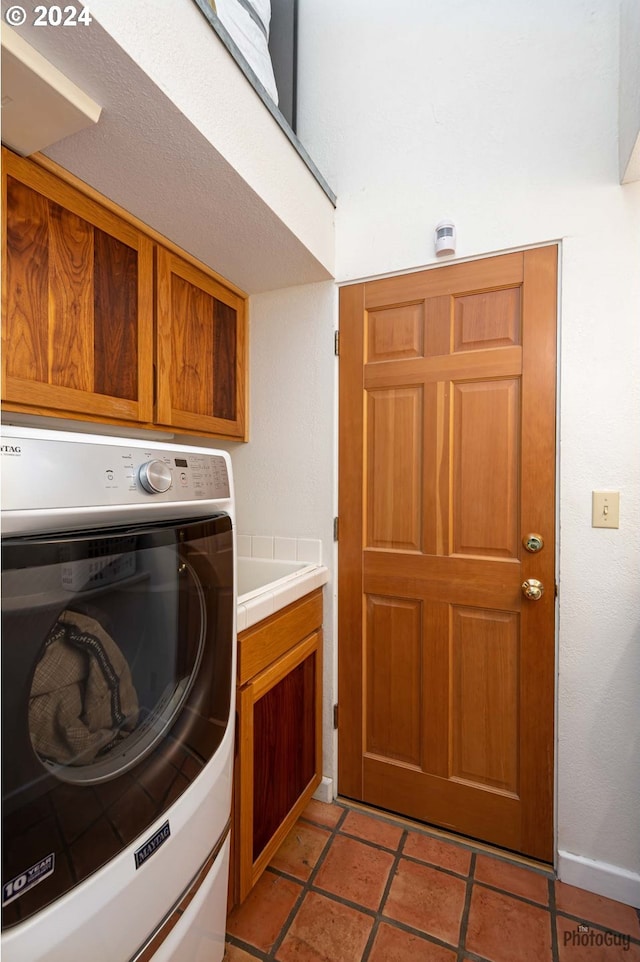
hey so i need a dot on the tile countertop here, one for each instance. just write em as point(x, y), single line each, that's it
point(265, 586)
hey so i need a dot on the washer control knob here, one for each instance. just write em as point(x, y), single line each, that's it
point(155, 477)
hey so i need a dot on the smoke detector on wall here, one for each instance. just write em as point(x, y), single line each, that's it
point(39, 104)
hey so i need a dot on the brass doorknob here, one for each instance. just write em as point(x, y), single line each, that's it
point(532, 589)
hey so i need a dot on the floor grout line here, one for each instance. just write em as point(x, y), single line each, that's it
point(555, 951)
point(385, 894)
point(369, 944)
point(306, 887)
point(412, 930)
point(286, 925)
point(513, 895)
point(246, 947)
point(464, 921)
point(369, 841)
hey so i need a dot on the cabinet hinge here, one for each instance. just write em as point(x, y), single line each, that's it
point(336, 527)
point(336, 343)
point(335, 716)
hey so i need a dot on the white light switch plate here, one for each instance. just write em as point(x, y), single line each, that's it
point(605, 509)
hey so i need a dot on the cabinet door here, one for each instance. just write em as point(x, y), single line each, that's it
point(201, 351)
point(284, 757)
point(77, 318)
point(280, 755)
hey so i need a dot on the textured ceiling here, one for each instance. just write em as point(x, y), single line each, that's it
point(147, 156)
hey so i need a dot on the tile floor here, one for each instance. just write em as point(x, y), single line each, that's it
point(350, 886)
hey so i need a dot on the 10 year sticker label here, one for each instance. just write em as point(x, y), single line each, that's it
point(26, 880)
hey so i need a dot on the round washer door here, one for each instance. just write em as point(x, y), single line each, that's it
point(116, 673)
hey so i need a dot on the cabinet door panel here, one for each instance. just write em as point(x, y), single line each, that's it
point(71, 301)
point(192, 346)
point(27, 272)
point(226, 359)
point(201, 350)
point(283, 749)
point(116, 337)
point(77, 301)
point(279, 763)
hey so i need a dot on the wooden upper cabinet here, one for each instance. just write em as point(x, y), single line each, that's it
point(93, 301)
point(201, 350)
point(77, 318)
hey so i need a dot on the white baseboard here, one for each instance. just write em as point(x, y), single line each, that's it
point(608, 880)
point(324, 792)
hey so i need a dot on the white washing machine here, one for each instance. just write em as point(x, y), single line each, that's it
point(118, 660)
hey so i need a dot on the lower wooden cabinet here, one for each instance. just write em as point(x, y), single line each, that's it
point(279, 750)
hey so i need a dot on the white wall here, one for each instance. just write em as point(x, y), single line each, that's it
point(504, 115)
point(285, 475)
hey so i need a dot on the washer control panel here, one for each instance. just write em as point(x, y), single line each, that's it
point(59, 473)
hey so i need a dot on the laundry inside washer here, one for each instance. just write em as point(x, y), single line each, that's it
point(83, 702)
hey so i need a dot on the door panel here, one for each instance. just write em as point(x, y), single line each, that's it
point(395, 468)
point(396, 332)
point(484, 730)
point(447, 449)
point(393, 687)
point(489, 319)
point(484, 468)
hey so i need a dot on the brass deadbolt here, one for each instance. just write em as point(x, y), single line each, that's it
point(533, 542)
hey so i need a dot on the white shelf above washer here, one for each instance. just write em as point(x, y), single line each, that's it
point(40, 105)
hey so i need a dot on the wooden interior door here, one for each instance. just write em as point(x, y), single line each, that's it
point(447, 462)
